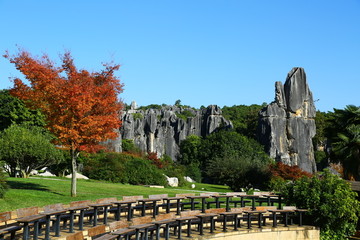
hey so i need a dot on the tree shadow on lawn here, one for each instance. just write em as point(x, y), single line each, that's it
point(29, 186)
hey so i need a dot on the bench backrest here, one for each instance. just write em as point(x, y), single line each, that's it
point(118, 225)
point(185, 194)
point(209, 194)
point(4, 217)
point(94, 231)
point(165, 216)
point(75, 236)
point(132, 198)
point(156, 196)
point(215, 210)
point(190, 213)
point(25, 212)
point(106, 200)
point(289, 208)
point(262, 193)
point(83, 203)
point(265, 208)
point(53, 207)
point(141, 220)
point(235, 193)
point(238, 209)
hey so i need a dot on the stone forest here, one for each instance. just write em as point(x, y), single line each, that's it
point(281, 170)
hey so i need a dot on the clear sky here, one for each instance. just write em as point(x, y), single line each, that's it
point(199, 51)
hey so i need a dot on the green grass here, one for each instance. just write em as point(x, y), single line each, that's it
point(44, 191)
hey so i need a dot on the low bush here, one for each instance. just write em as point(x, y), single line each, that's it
point(123, 168)
point(141, 171)
point(331, 203)
point(287, 172)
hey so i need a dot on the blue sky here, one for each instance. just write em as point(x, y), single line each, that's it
point(201, 52)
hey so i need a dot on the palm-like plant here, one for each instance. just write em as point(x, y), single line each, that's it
point(345, 139)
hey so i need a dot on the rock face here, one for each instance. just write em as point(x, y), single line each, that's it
point(162, 130)
point(287, 125)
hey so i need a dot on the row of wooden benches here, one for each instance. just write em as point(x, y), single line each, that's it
point(32, 217)
point(147, 227)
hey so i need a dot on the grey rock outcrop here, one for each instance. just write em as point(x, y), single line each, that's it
point(162, 130)
point(287, 125)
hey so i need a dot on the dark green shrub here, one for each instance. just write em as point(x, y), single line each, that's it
point(184, 115)
point(192, 170)
point(141, 171)
point(106, 166)
point(129, 146)
point(235, 160)
point(137, 116)
point(331, 203)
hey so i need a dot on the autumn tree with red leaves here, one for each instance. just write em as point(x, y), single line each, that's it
point(82, 108)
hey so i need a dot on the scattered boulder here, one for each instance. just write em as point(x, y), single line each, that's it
point(189, 179)
point(172, 181)
point(78, 176)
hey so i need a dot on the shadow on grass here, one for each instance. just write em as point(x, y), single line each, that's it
point(29, 186)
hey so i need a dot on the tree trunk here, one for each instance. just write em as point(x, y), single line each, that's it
point(73, 168)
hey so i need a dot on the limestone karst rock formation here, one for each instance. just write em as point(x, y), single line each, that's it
point(287, 125)
point(162, 130)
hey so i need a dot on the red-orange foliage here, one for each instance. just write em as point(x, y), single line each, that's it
point(287, 172)
point(152, 156)
point(81, 108)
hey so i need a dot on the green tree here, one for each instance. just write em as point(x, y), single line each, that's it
point(226, 150)
point(14, 111)
point(322, 122)
point(190, 150)
point(3, 185)
point(331, 204)
point(27, 149)
point(344, 135)
point(244, 118)
point(190, 156)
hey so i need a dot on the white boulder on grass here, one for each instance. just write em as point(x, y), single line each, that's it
point(172, 181)
point(189, 179)
point(78, 176)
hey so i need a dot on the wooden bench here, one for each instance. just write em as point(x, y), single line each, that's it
point(55, 213)
point(30, 218)
point(7, 227)
point(97, 231)
point(133, 206)
point(209, 202)
point(235, 215)
point(108, 200)
point(186, 203)
point(118, 229)
point(236, 202)
point(159, 205)
point(165, 221)
point(143, 225)
point(82, 207)
point(189, 218)
point(75, 236)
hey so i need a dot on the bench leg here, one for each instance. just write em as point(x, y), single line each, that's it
point(36, 230)
point(189, 228)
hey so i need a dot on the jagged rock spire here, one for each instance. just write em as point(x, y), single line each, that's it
point(287, 125)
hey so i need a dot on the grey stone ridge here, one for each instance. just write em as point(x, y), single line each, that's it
point(162, 130)
point(287, 125)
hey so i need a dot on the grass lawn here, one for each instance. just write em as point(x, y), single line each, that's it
point(44, 191)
